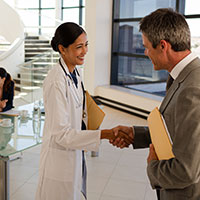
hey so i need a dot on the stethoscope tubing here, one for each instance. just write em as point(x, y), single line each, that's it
point(74, 90)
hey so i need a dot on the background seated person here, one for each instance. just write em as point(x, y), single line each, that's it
point(6, 90)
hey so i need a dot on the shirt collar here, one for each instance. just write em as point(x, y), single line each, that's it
point(182, 64)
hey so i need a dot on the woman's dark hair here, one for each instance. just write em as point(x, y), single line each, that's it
point(65, 35)
point(8, 80)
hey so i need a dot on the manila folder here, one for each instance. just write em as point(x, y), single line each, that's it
point(159, 135)
point(95, 114)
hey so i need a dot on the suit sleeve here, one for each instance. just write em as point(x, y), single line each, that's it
point(142, 137)
point(183, 170)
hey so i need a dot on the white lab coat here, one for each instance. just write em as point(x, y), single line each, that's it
point(60, 171)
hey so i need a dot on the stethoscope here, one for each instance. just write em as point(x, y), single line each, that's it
point(74, 91)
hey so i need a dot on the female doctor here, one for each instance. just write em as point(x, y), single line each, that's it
point(62, 164)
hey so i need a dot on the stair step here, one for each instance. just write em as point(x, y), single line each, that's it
point(41, 69)
point(25, 87)
point(36, 50)
point(40, 57)
point(37, 45)
point(37, 41)
point(31, 54)
point(32, 73)
point(44, 63)
point(30, 80)
point(54, 59)
point(32, 37)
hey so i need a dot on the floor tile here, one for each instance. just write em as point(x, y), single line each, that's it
point(96, 184)
point(106, 197)
point(26, 192)
point(133, 160)
point(28, 160)
point(21, 173)
point(125, 189)
point(93, 196)
point(130, 173)
point(33, 179)
point(99, 169)
point(150, 194)
point(15, 185)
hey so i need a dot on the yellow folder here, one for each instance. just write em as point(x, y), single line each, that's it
point(159, 135)
point(95, 114)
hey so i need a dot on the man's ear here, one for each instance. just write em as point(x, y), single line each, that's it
point(163, 44)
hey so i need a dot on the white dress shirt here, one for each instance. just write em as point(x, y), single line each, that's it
point(182, 64)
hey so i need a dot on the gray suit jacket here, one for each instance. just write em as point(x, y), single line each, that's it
point(179, 177)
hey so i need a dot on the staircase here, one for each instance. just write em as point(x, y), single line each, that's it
point(39, 58)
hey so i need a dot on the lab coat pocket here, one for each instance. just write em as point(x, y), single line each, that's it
point(60, 165)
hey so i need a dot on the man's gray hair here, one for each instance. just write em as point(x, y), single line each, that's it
point(166, 24)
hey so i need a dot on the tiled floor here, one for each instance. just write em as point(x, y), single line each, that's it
point(114, 175)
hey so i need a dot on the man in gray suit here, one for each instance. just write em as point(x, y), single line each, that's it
point(166, 38)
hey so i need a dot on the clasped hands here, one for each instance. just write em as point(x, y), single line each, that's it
point(120, 136)
point(123, 136)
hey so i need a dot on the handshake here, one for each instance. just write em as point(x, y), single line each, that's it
point(120, 136)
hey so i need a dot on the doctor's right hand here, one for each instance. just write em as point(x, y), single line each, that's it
point(120, 137)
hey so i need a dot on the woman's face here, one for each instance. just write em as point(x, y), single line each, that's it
point(75, 53)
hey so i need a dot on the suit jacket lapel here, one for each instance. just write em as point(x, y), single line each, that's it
point(169, 95)
point(176, 84)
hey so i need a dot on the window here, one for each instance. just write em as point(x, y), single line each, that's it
point(71, 15)
point(39, 16)
point(129, 66)
point(72, 11)
point(71, 3)
point(47, 21)
point(192, 7)
point(192, 14)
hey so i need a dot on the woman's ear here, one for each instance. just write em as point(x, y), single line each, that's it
point(61, 49)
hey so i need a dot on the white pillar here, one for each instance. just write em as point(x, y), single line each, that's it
point(98, 25)
point(58, 11)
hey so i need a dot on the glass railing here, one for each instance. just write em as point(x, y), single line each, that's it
point(32, 74)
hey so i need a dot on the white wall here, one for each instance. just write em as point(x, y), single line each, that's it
point(10, 23)
point(98, 62)
point(12, 29)
point(13, 59)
